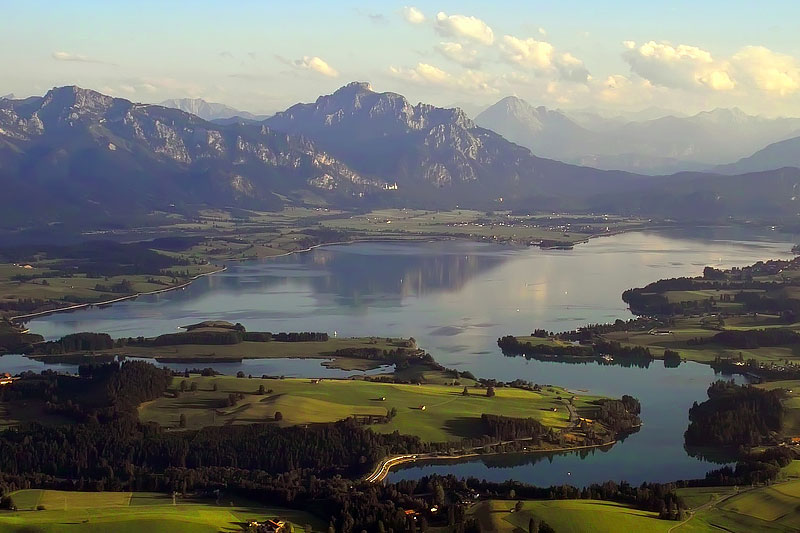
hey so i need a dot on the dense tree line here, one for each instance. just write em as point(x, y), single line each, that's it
point(509, 428)
point(750, 469)
point(620, 416)
point(510, 345)
point(752, 338)
point(303, 336)
point(96, 258)
point(74, 342)
point(735, 415)
point(205, 337)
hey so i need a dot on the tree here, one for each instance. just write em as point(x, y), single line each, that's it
point(182, 422)
point(261, 389)
point(240, 374)
point(490, 392)
point(183, 385)
point(278, 416)
point(465, 392)
point(518, 506)
point(214, 386)
point(438, 494)
point(193, 386)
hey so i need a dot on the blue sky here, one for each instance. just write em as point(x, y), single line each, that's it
point(263, 56)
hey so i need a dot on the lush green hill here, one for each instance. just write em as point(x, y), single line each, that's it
point(85, 512)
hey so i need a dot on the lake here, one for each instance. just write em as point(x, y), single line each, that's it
point(456, 298)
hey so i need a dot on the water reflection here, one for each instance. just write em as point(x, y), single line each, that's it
point(457, 299)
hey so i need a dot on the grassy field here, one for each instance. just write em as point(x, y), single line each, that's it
point(134, 512)
point(686, 329)
point(259, 350)
point(568, 516)
point(770, 509)
point(499, 226)
point(448, 416)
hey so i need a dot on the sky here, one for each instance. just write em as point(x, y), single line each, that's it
point(263, 56)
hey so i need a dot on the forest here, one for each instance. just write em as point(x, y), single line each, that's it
point(735, 415)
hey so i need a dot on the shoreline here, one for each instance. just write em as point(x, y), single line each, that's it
point(384, 468)
point(77, 307)
point(412, 238)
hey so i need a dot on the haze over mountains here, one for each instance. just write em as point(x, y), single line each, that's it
point(76, 153)
point(659, 146)
point(209, 110)
point(777, 155)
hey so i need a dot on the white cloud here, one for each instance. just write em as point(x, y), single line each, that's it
point(570, 68)
point(317, 65)
point(681, 66)
point(767, 70)
point(413, 15)
point(471, 81)
point(528, 53)
point(459, 53)
point(690, 67)
point(542, 57)
point(463, 26)
point(78, 58)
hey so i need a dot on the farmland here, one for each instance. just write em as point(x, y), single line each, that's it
point(448, 415)
point(138, 511)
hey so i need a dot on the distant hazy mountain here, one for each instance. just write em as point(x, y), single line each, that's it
point(9, 96)
point(593, 118)
point(663, 145)
point(79, 157)
point(208, 110)
point(777, 155)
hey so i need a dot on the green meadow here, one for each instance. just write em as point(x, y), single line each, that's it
point(568, 516)
point(448, 415)
point(84, 512)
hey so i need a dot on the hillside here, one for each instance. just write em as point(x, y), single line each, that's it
point(75, 156)
point(777, 155)
point(78, 153)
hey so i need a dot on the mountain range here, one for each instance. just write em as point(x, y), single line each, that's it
point(209, 110)
point(75, 154)
point(658, 146)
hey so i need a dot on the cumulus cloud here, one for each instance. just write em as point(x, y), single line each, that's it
point(681, 66)
point(690, 67)
point(528, 53)
point(463, 26)
point(413, 15)
point(767, 70)
point(78, 58)
point(542, 56)
point(316, 64)
point(459, 53)
point(470, 81)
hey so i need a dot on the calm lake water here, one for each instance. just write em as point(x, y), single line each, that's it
point(456, 298)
